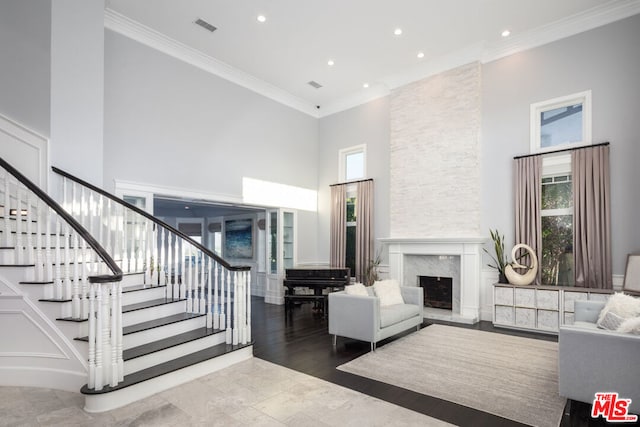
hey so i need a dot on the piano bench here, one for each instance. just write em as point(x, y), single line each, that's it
point(289, 300)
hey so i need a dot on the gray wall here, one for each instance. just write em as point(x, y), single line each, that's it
point(171, 124)
point(605, 60)
point(365, 124)
point(25, 64)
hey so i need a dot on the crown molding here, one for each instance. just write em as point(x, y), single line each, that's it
point(134, 30)
point(598, 16)
point(595, 17)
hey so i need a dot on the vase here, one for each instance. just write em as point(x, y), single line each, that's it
point(502, 278)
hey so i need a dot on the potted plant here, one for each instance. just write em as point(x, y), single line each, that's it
point(371, 274)
point(500, 259)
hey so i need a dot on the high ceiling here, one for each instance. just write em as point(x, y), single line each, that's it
point(299, 37)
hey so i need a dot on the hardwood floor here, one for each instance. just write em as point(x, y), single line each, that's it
point(300, 341)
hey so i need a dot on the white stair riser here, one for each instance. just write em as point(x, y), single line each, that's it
point(149, 360)
point(132, 279)
point(61, 240)
point(143, 295)
point(155, 334)
point(7, 256)
point(17, 274)
point(139, 316)
point(119, 398)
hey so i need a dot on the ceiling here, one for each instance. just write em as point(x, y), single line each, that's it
point(187, 208)
point(293, 46)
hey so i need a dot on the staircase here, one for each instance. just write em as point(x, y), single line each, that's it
point(132, 305)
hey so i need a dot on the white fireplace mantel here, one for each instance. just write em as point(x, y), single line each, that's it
point(469, 249)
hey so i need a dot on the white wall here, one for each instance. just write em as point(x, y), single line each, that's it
point(366, 124)
point(172, 124)
point(25, 63)
point(77, 84)
point(605, 60)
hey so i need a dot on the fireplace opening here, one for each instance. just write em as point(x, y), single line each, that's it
point(438, 291)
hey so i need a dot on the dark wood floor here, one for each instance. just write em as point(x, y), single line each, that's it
point(301, 342)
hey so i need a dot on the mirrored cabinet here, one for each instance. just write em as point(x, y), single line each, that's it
point(281, 253)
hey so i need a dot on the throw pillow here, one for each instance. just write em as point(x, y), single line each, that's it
point(631, 325)
point(623, 305)
point(388, 291)
point(610, 321)
point(356, 289)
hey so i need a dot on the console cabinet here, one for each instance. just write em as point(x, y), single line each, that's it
point(538, 308)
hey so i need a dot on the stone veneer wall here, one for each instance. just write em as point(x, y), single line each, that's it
point(434, 158)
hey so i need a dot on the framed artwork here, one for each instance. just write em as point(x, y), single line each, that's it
point(632, 275)
point(238, 238)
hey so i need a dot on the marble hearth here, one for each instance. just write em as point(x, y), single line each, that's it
point(458, 258)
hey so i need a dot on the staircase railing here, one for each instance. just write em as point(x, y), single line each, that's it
point(71, 264)
point(166, 256)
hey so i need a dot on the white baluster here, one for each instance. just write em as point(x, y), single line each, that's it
point(161, 259)
point(82, 214)
point(92, 337)
point(19, 236)
point(109, 218)
point(7, 210)
point(99, 376)
point(86, 266)
point(176, 268)
point(67, 262)
point(65, 202)
point(236, 306)
point(118, 332)
point(202, 307)
point(173, 275)
point(209, 302)
point(58, 261)
point(106, 333)
point(216, 288)
point(114, 335)
point(47, 246)
point(228, 328)
point(39, 255)
point(125, 257)
point(30, 251)
point(248, 317)
point(99, 218)
point(77, 289)
point(74, 200)
point(188, 278)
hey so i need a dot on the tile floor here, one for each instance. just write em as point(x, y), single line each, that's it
point(254, 392)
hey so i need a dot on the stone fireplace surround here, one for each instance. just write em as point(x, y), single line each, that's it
point(458, 257)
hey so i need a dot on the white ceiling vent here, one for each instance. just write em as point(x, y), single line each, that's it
point(314, 84)
point(204, 24)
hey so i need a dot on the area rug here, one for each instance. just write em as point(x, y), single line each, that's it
point(508, 376)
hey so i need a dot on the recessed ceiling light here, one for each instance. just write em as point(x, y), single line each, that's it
point(187, 207)
point(365, 85)
point(330, 62)
point(506, 33)
point(420, 55)
point(261, 18)
point(397, 31)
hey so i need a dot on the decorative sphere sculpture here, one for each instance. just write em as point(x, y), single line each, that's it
point(527, 278)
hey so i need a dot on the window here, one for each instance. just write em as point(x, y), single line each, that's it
point(350, 252)
point(561, 122)
point(557, 222)
point(352, 163)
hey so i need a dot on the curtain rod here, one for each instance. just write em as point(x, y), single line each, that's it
point(351, 182)
point(560, 151)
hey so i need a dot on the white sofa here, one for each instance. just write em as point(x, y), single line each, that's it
point(594, 360)
point(362, 318)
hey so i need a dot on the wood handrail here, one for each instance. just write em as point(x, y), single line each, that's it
point(150, 217)
point(84, 234)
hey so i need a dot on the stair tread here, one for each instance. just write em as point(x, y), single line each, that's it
point(17, 265)
point(54, 300)
point(136, 288)
point(151, 303)
point(168, 342)
point(155, 323)
point(31, 282)
point(167, 367)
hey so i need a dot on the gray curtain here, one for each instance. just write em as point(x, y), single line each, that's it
point(528, 196)
point(364, 225)
point(592, 217)
point(338, 233)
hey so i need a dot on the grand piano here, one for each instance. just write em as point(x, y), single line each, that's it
point(320, 280)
